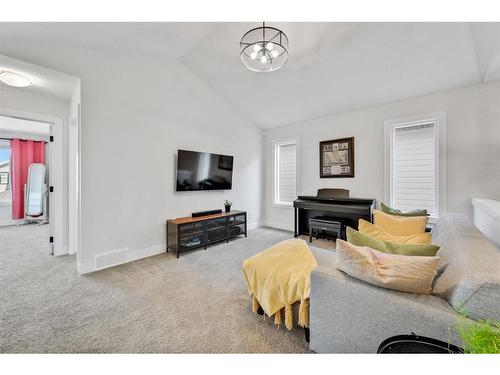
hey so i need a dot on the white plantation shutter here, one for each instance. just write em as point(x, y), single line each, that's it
point(286, 173)
point(414, 167)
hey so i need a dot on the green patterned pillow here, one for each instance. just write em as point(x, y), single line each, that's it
point(393, 211)
point(360, 239)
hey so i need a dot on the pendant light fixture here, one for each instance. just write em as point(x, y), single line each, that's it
point(264, 49)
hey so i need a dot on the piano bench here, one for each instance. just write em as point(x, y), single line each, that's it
point(316, 225)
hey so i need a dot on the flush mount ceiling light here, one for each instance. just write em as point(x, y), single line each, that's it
point(14, 79)
point(264, 49)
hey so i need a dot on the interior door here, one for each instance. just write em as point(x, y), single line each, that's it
point(49, 181)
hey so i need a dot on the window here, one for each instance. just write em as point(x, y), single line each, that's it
point(5, 186)
point(414, 165)
point(285, 173)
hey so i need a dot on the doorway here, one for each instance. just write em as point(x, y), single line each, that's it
point(40, 128)
point(26, 167)
point(53, 99)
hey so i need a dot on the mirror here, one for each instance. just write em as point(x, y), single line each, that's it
point(35, 190)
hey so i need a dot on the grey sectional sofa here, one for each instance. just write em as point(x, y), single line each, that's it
point(350, 316)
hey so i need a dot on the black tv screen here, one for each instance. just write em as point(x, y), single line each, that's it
point(203, 171)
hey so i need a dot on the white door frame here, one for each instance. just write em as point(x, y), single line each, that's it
point(57, 156)
point(74, 187)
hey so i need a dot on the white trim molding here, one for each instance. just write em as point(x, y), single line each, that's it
point(277, 225)
point(117, 257)
point(8, 223)
point(439, 120)
point(124, 255)
point(253, 225)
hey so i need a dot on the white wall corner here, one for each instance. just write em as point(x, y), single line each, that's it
point(84, 268)
point(254, 225)
point(277, 225)
point(146, 252)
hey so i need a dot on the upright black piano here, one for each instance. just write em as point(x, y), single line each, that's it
point(333, 204)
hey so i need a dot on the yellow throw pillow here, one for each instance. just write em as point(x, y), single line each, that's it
point(405, 273)
point(375, 232)
point(399, 225)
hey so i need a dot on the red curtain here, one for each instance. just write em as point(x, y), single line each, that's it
point(23, 154)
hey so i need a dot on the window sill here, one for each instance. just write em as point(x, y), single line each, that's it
point(283, 205)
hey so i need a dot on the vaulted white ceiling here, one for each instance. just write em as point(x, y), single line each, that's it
point(339, 67)
point(44, 81)
point(332, 68)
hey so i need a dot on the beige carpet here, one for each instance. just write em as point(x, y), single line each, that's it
point(197, 303)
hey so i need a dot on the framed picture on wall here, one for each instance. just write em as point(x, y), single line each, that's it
point(336, 158)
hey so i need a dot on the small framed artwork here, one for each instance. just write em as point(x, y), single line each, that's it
point(336, 158)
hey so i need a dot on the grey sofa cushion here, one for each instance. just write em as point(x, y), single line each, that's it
point(469, 276)
point(348, 315)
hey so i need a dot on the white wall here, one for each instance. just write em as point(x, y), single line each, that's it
point(473, 148)
point(136, 112)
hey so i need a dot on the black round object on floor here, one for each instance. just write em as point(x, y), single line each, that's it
point(413, 344)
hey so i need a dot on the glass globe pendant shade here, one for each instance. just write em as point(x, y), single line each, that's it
point(14, 79)
point(264, 49)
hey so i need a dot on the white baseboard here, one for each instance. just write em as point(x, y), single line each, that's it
point(125, 254)
point(277, 225)
point(131, 255)
point(146, 252)
point(253, 225)
point(63, 251)
point(84, 268)
point(7, 223)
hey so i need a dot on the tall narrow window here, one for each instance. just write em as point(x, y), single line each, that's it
point(415, 167)
point(285, 167)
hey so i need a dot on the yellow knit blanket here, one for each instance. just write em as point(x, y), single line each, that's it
point(278, 277)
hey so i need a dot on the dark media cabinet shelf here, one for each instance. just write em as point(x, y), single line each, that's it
point(187, 233)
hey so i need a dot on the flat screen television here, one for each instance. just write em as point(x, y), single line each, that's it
point(203, 171)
